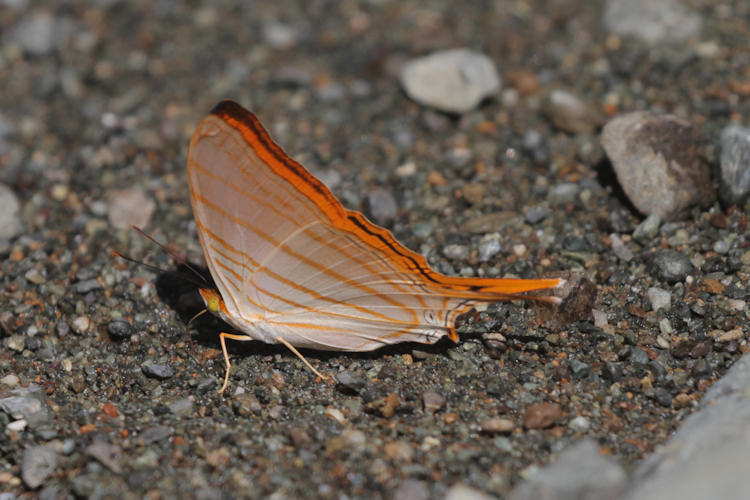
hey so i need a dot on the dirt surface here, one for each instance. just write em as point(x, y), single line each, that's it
point(97, 106)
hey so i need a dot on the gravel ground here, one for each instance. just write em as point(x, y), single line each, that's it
point(528, 163)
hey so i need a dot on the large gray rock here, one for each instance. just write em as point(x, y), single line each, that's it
point(707, 456)
point(579, 472)
point(659, 162)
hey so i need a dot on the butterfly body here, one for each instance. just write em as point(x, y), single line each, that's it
point(292, 265)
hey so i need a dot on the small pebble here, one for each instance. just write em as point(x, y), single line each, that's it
point(489, 248)
point(381, 206)
point(129, 207)
point(663, 397)
point(454, 81)
point(618, 247)
point(541, 415)
point(578, 368)
point(119, 329)
point(157, 370)
point(536, 214)
point(300, 438)
point(671, 265)
point(336, 415)
point(411, 489)
point(456, 252)
point(154, 434)
point(107, 454)
point(648, 229)
point(569, 112)
point(659, 298)
point(728, 336)
point(638, 356)
point(734, 164)
point(351, 381)
point(349, 440)
point(39, 462)
point(80, 324)
point(579, 424)
point(399, 451)
point(665, 21)
point(432, 401)
point(563, 194)
point(11, 380)
point(279, 36)
point(10, 222)
point(497, 425)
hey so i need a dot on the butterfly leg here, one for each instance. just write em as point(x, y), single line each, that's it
point(222, 339)
point(300, 356)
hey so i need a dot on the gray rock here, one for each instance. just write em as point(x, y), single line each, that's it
point(107, 454)
point(129, 207)
point(154, 434)
point(578, 368)
point(652, 22)
point(156, 370)
point(570, 112)
point(658, 160)
point(648, 229)
point(454, 81)
point(181, 407)
point(411, 489)
point(381, 206)
point(433, 401)
point(279, 36)
point(671, 265)
point(119, 329)
point(579, 472)
point(87, 286)
point(563, 193)
point(457, 252)
point(10, 222)
point(351, 381)
point(579, 424)
point(39, 463)
point(36, 33)
point(619, 248)
point(707, 456)
point(489, 248)
point(638, 357)
point(734, 162)
point(659, 298)
point(536, 214)
point(24, 402)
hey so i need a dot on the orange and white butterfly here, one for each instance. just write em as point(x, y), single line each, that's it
point(293, 266)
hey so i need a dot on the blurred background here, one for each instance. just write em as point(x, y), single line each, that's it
point(488, 160)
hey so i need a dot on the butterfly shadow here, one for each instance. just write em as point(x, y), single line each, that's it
point(178, 289)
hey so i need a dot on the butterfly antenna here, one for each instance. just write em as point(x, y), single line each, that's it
point(156, 269)
point(178, 258)
point(201, 313)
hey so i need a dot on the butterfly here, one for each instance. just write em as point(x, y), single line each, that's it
point(293, 266)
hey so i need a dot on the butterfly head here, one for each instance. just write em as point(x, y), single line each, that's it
point(213, 300)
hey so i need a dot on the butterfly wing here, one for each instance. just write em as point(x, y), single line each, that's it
point(290, 261)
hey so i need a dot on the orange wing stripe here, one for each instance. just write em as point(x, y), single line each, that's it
point(285, 248)
point(300, 179)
